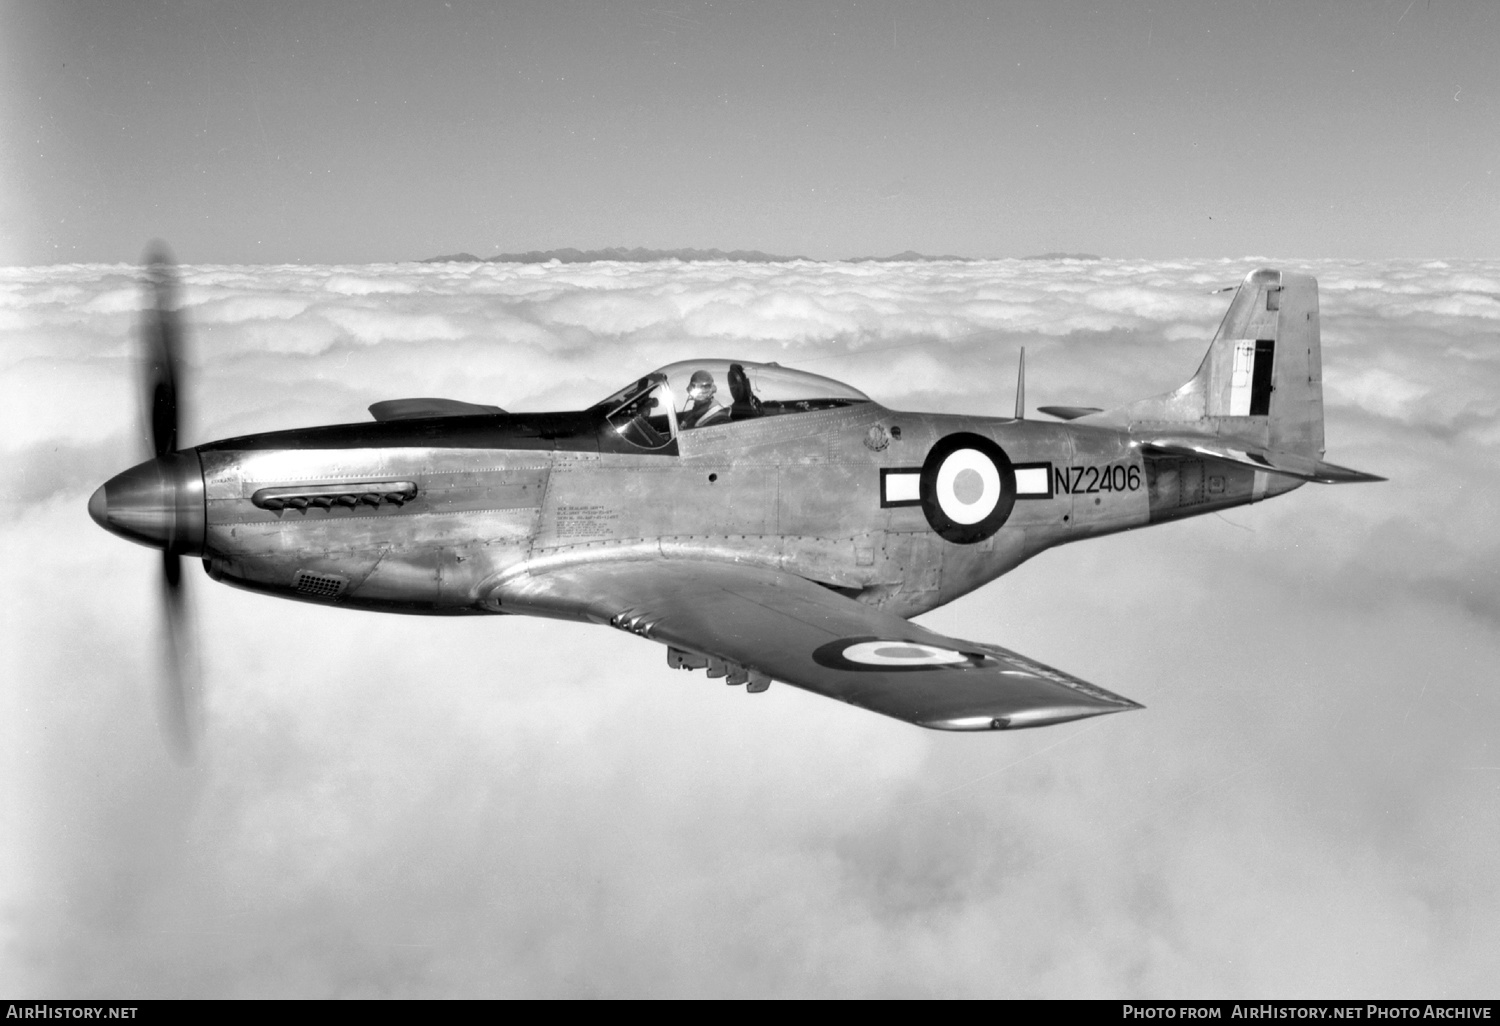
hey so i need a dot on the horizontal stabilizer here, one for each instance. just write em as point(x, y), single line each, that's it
point(1304, 468)
point(1068, 412)
point(417, 409)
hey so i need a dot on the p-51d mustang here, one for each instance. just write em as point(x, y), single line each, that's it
point(761, 522)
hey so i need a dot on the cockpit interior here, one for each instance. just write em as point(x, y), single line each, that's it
point(692, 394)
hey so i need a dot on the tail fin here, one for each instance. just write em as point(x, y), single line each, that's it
point(1258, 395)
point(1261, 382)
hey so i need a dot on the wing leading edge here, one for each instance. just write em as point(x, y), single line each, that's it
point(793, 630)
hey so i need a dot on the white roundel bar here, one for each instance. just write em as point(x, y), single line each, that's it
point(901, 653)
point(968, 486)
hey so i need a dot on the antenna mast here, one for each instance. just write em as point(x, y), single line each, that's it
point(1021, 387)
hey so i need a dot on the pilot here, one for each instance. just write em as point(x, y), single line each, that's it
point(701, 408)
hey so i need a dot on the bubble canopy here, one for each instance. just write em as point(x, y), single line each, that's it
point(650, 411)
point(777, 389)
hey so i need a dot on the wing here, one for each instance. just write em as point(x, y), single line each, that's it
point(415, 409)
point(764, 623)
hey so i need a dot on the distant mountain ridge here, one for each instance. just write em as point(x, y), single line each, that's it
point(639, 255)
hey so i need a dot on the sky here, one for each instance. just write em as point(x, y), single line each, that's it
point(351, 131)
point(412, 807)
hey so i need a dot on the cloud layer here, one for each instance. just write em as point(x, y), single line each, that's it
point(409, 807)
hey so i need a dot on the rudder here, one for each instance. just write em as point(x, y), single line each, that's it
point(1262, 377)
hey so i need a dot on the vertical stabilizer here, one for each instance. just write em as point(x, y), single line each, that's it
point(1261, 382)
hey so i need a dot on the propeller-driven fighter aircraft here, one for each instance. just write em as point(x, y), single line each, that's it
point(762, 523)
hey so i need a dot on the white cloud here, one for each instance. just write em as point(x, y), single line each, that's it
point(409, 806)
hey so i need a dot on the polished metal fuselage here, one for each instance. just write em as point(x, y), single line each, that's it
point(498, 497)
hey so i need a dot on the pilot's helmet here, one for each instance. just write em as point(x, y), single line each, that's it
point(701, 386)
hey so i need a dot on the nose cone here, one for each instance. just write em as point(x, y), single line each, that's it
point(157, 503)
point(99, 507)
